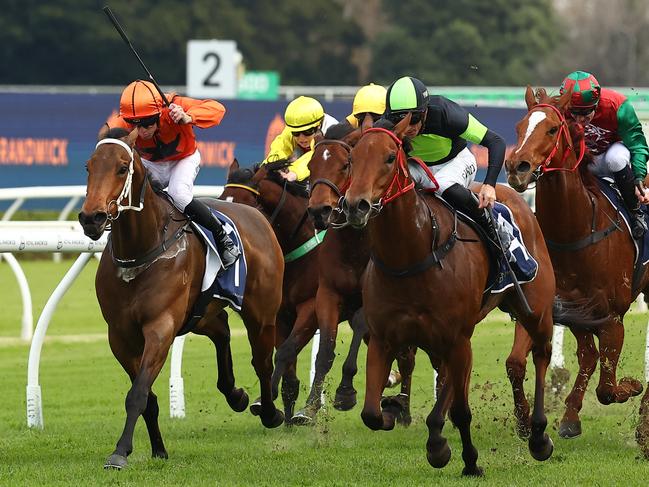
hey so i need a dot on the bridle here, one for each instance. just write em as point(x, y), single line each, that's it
point(127, 190)
point(563, 133)
point(340, 192)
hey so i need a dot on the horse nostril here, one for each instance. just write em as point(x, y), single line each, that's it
point(523, 167)
point(363, 206)
point(99, 218)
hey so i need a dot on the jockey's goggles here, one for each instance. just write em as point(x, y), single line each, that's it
point(143, 122)
point(582, 111)
point(307, 132)
point(395, 118)
point(361, 116)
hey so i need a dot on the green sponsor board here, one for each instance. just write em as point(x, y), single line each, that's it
point(259, 85)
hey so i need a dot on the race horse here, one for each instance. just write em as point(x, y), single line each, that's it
point(583, 231)
point(424, 287)
point(149, 279)
point(343, 258)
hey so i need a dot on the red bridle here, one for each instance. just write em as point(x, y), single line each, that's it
point(401, 186)
point(563, 131)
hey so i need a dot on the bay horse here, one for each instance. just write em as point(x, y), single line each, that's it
point(150, 276)
point(343, 259)
point(583, 231)
point(424, 287)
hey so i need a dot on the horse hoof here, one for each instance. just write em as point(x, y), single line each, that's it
point(543, 450)
point(160, 454)
point(633, 386)
point(345, 399)
point(474, 471)
point(523, 430)
point(404, 419)
point(275, 421)
point(238, 400)
point(115, 462)
point(440, 457)
point(570, 429)
point(303, 418)
point(399, 407)
point(255, 407)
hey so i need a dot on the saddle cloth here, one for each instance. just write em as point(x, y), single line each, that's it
point(613, 195)
point(228, 284)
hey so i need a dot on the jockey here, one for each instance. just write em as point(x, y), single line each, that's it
point(614, 136)
point(167, 146)
point(304, 117)
point(438, 134)
point(369, 99)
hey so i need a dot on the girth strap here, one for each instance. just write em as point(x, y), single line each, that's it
point(149, 256)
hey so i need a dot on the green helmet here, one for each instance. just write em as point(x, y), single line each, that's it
point(586, 90)
point(406, 95)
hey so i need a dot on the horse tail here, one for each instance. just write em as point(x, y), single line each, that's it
point(579, 313)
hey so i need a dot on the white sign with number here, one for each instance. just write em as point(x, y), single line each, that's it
point(212, 69)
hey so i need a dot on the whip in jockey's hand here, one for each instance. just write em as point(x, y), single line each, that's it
point(178, 115)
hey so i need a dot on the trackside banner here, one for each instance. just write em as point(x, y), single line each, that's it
point(45, 139)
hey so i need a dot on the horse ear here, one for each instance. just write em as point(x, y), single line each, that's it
point(564, 99)
point(401, 128)
point(368, 122)
point(130, 140)
point(318, 137)
point(530, 99)
point(234, 166)
point(352, 137)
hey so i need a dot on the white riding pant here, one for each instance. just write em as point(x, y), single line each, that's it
point(177, 176)
point(616, 158)
point(459, 170)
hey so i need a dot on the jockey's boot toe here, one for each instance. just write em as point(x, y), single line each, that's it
point(229, 253)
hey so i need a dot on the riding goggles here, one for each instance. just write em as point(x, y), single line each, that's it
point(307, 132)
point(395, 118)
point(144, 121)
point(361, 116)
point(581, 111)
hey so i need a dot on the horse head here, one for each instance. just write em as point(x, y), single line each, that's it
point(544, 139)
point(379, 172)
point(113, 168)
point(239, 186)
point(330, 172)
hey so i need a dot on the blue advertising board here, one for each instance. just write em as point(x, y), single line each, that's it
point(45, 139)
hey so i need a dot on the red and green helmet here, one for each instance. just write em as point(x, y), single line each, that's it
point(585, 89)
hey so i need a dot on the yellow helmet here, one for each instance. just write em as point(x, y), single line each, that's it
point(370, 98)
point(303, 113)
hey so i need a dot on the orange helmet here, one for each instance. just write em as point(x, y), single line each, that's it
point(140, 99)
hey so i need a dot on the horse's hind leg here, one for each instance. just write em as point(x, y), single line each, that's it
point(345, 398)
point(642, 432)
point(570, 426)
point(406, 361)
point(611, 338)
point(459, 367)
point(215, 327)
point(156, 347)
point(516, 365)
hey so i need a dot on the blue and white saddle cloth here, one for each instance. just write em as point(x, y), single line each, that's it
point(522, 263)
point(612, 194)
point(228, 284)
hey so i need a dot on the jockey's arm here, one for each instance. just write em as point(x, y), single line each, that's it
point(281, 147)
point(204, 113)
point(630, 131)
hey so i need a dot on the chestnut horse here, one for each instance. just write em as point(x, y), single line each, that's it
point(150, 276)
point(583, 231)
point(424, 287)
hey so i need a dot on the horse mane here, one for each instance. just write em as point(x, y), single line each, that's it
point(296, 188)
point(242, 175)
point(339, 131)
point(114, 133)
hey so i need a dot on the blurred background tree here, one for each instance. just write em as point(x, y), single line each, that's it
point(332, 42)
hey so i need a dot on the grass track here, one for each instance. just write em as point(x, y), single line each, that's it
point(84, 389)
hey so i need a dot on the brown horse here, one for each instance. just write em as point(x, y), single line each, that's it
point(583, 231)
point(150, 277)
point(343, 258)
point(424, 287)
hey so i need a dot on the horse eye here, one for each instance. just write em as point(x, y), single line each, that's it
point(553, 130)
point(391, 158)
point(122, 170)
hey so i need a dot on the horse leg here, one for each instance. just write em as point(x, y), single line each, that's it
point(406, 361)
point(611, 339)
point(215, 327)
point(327, 306)
point(261, 335)
point(150, 416)
point(156, 347)
point(346, 394)
point(570, 426)
point(642, 432)
point(516, 365)
point(378, 364)
point(459, 367)
point(438, 453)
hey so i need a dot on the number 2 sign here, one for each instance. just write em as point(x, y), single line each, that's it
point(212, 69)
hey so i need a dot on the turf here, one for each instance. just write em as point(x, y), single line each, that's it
point(83, 404)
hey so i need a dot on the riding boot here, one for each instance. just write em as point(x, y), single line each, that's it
point(464, 200)
point(625, 181)
point(201, 214)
